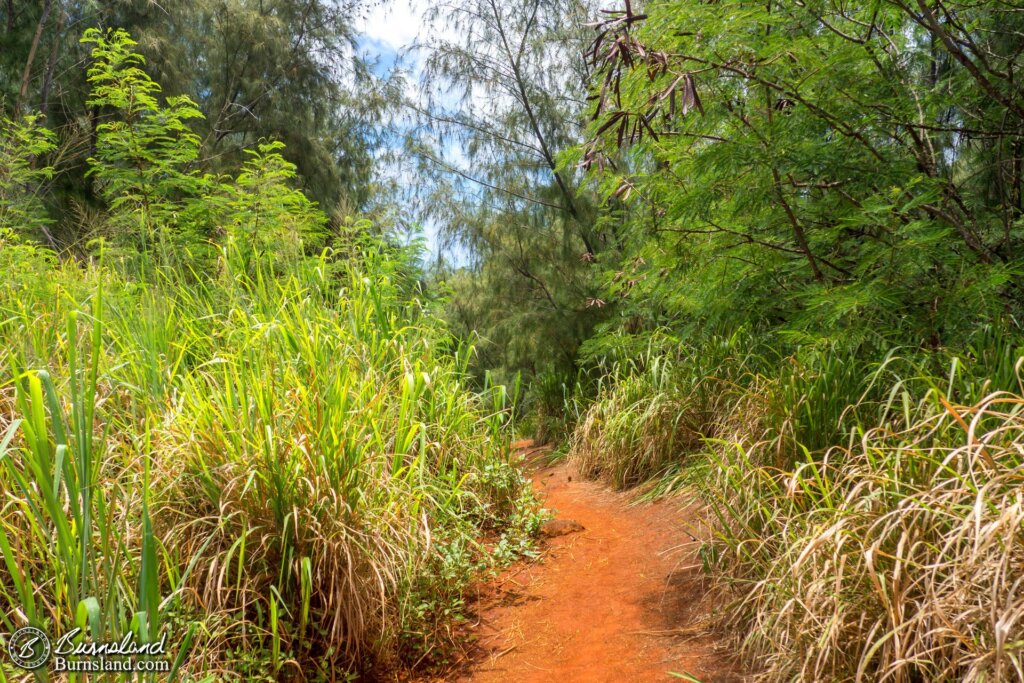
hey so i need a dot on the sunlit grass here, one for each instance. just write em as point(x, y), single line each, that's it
point(869, 515)
point(306, 451)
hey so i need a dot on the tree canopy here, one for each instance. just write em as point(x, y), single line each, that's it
point(813, 165)
point(282, 69)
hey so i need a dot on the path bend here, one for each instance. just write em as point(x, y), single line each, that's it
point(623, 600)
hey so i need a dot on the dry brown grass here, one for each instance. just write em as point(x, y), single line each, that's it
point(899, 559)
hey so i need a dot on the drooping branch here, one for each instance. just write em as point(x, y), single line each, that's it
point(484, 183)
point(515, 61)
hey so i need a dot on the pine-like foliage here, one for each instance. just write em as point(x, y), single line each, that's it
point(505, 87)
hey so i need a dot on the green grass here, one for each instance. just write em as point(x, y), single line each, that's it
point(285, 468)
point(651, 411)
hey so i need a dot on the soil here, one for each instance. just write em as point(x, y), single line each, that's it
point(617, 596)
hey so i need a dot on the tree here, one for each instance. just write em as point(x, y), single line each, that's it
point(503, 99)
point(145, 153)
point(281, 69)
point(807, 166)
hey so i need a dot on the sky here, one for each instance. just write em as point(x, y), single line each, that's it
point(391, 26)
point(388, 31)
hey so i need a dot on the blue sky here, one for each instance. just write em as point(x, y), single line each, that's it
point(387, 32)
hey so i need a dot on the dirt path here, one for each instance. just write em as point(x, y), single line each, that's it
point(619, 601)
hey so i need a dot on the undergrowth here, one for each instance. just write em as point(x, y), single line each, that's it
point(868, 513)
point(219, 427)
point(318, 476)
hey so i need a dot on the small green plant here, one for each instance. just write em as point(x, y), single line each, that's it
point(264, 215)
point(22, 177)
point(144, 164)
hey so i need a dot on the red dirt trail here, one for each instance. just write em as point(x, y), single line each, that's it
point(620, 601)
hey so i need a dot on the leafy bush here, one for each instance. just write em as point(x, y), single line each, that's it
point(22, 179)
point(144, 163)
point(263, 214)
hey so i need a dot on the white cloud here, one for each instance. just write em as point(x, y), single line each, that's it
point(395, 24)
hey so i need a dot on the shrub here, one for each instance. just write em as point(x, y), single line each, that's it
point(22, 178)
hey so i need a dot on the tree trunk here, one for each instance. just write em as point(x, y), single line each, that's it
point(26, 76)
point(52, 62)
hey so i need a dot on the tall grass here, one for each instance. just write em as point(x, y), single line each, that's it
point(651, 410)
point(63, 534)
point(869, 505)
point(209, 430)
point(317, 473)
point(637, 427)
point(899, 558)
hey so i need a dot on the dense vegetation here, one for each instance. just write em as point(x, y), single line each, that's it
point(814, 226)
point(281, 69)
point(818, 167)
point(765, 252)
point(796, 287)
point(219, 426)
